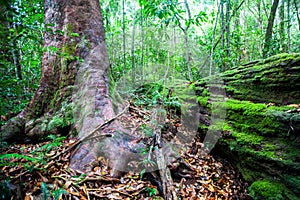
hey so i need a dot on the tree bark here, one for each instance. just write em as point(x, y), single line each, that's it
point(133, 49)
point(223, 26)
point(186, 41)
point(124, 36)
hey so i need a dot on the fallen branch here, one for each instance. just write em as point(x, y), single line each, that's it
point(109, 190)
point(99, 178)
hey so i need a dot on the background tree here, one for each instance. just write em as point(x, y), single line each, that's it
point(282, 26)
point(268, 36)
point(297, 12)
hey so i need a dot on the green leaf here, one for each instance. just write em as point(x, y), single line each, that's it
point(50, 24)
point(58, 193)
point(45, 191)
point(142, 173)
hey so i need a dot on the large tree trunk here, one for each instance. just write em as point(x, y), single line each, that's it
point(74, 33)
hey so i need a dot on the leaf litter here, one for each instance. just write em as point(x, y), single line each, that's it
point(28, 171)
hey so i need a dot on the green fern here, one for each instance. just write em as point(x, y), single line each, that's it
point(58, 193)
point(56, 142)
point(17, 156)
point(5, 160)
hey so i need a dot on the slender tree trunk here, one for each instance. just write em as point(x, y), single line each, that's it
point(16, 55)
point(213, 41)
point(289, 25)
point(297, 12)
point(227, 35)
point(282, 28)
point(186, 41)
point(124, 36)
point(187, 55)
point(16, 58)
point(260, 21)
point(142, 41)
point(222, 24)
point(132, 51)
point(268, 35)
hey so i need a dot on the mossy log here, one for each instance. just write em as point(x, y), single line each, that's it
point(261, 133)
point(276, 79)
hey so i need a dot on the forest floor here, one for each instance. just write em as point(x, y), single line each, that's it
point(41, 171)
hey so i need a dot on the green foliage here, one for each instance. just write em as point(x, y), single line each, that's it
point(58, 193)
point(143, 171)
point(155, 94)
point(17, 156)
point(35, 157)
point(54, 144)
point(147, 130)
point(47, 192)
point(3, 145)
point(20, 53)
point(18, 159)
point(151, 191)
point(63, 118)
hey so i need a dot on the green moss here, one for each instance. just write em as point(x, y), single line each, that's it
point(264, 81)
point(57, 121)
point(247, 138)
point(269, 190)
point(257, 118)
point(63, 118)
point(294, 181)
point(203, 101)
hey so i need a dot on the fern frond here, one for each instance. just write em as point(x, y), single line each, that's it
point(17, 156)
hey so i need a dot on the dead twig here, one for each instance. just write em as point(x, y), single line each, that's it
point(99, 178)
point(139, 111)
point(92, 132)
point(110, 190)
